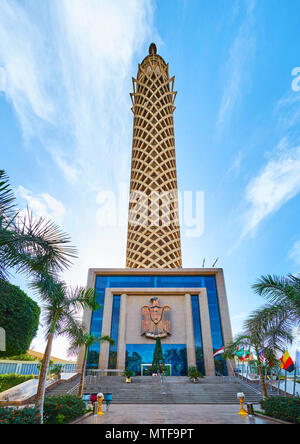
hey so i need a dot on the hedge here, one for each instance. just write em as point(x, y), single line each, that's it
point(287, 409)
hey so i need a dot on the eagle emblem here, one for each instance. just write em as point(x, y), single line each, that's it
point(156, 320)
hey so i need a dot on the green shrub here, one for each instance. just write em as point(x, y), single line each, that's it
point(23, 357)
point(287, 409)
point(127, 373)
point(26, 415)
point(194, 373)
point(11, 380)
point(68, 406)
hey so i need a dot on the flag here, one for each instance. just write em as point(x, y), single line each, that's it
point(239, 352)
point(261, 356)
point(218, 352)
point(287, 362)
point(246, 355)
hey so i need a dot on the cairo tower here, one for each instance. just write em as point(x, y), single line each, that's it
point(154, 297)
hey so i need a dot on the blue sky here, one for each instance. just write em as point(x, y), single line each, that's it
point(66, 124)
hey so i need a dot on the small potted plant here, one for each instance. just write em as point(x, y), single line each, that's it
point(127, 374)
point(55, 371)
point(194, 374)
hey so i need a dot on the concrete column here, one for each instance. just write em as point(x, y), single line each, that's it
point(106, 329)
point(86, 319)
point(206, 334)
point(190, 343)
point(121, 356)
point(224, 312)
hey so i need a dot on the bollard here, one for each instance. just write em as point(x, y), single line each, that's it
point(107, 399)
point(95, 408)
point(86, 399)
point(250, 409)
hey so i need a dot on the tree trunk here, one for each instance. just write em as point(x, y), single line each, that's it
point(82, 376)
point(262, 381)
point(40, 396)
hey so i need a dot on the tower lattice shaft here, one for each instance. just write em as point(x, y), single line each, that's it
point(153, 227)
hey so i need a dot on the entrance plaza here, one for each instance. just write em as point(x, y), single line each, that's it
point(174, 414)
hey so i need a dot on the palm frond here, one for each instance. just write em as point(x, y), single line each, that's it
point(7, 198)
point(270, 327)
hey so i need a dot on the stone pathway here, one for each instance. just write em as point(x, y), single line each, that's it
point(173, 414)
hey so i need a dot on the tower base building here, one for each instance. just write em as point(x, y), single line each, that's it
point(197, 319)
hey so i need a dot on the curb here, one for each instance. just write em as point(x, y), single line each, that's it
point(279, 421)
point(81, 418)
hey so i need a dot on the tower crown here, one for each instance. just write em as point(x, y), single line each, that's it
point(152, 49)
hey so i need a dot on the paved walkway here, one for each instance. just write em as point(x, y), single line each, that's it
point(173, 414)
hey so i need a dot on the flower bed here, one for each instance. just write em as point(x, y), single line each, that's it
point(287, 409)
point(63, 409)
point(57, 410)
point(19, 416)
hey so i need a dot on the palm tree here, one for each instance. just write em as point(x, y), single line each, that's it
point(265, 330)
point(27, 244)
point(61, 308)
point(79, 337)
point(283, 292)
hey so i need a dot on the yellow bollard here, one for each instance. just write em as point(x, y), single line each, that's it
point(241, 398)
point(100, 398)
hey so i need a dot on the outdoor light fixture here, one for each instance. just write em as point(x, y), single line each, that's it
point(241, 398)
point(100, 398)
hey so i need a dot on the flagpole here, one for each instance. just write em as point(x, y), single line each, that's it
point(285, 384)
point(295, 377)
point(279, 380)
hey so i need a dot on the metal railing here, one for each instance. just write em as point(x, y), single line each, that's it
point(29, 368)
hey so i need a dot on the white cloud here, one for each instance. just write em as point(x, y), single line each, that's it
point(68, 65)
point(294, 254)
point(2, 80)
point(236, 72)
point(278, 182)
point(41, 205)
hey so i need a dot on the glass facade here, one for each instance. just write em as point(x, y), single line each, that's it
point(114, 333)
point(175, 356)
point(198, 334)
point(159, 281)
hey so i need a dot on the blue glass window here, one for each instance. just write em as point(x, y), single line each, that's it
point(174, 355)
point(114, 334)
point(198, 334)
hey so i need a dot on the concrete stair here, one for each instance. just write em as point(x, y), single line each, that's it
point(66, 387)
point(173, 390)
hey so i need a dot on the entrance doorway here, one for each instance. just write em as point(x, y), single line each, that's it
point(145, 368)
